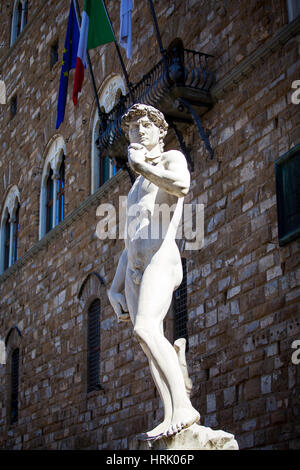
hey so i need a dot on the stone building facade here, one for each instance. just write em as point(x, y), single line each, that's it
point(243, 287)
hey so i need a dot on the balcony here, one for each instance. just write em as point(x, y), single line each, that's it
point(178, 85)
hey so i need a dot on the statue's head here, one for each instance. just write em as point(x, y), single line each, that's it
point(140, 110)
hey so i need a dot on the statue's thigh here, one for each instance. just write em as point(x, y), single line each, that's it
point(156, 290)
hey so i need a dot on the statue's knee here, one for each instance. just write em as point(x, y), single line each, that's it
point(141, 333)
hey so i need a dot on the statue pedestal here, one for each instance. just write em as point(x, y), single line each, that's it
point(195, 437)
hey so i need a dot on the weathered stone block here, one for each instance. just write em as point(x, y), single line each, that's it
point(193, 438)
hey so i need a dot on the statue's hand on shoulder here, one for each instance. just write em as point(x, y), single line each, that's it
point(137, 154)
point(119, 305)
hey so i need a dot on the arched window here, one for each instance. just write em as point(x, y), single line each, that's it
point(19, 19)
point(52, 197)
point(293, 7)
point(175, 323)
point(107, 169)
point(14, 386)
point(102, 168)
point(93, 342)
point(9, 233)
point(13, 353)
point(60, 192)
point(180, 307)
point(92, 289)
point(7, 242)
point(49, 202)
point(15, 241)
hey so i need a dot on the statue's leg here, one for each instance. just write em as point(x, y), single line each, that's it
point(132, 294)
point(156, 288)
point(179, 346)
point(164, 395)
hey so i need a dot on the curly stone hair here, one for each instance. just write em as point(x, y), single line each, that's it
point(138, 110)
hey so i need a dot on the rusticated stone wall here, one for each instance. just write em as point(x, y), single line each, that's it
point(243, 289)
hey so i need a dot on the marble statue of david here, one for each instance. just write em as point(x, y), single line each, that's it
point(150, 269)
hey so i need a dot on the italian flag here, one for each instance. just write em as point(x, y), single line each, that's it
point(95, 30)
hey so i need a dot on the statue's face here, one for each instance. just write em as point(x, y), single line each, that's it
point(143, 131)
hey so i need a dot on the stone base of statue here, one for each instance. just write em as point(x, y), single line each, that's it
point(195, 437)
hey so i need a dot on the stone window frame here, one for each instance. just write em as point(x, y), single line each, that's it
point(283, 196)
point(13, 341)
point(109, 95)
point(93, 350)
point(15, 19)
point(10, 207)
point(55, 153)
point(93, 288)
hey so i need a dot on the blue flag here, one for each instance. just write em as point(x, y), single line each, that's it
point(68, 62)
point(125, 26)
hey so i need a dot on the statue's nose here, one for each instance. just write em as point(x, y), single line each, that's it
point(141, 129)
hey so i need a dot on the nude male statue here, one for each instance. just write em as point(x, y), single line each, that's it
point(150, 269)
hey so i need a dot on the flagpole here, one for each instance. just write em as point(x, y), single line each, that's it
point(129, 84)
point(161, 47)
point(158, 36)
point(100, 113)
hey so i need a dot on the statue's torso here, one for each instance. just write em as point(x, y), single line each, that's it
point(146, 230)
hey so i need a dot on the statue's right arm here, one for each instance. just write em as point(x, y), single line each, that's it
point(115, 293)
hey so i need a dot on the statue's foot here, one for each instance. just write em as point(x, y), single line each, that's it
point(182, 418)
point(154, 433)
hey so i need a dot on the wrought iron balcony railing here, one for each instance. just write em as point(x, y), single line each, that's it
point(180, 81)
